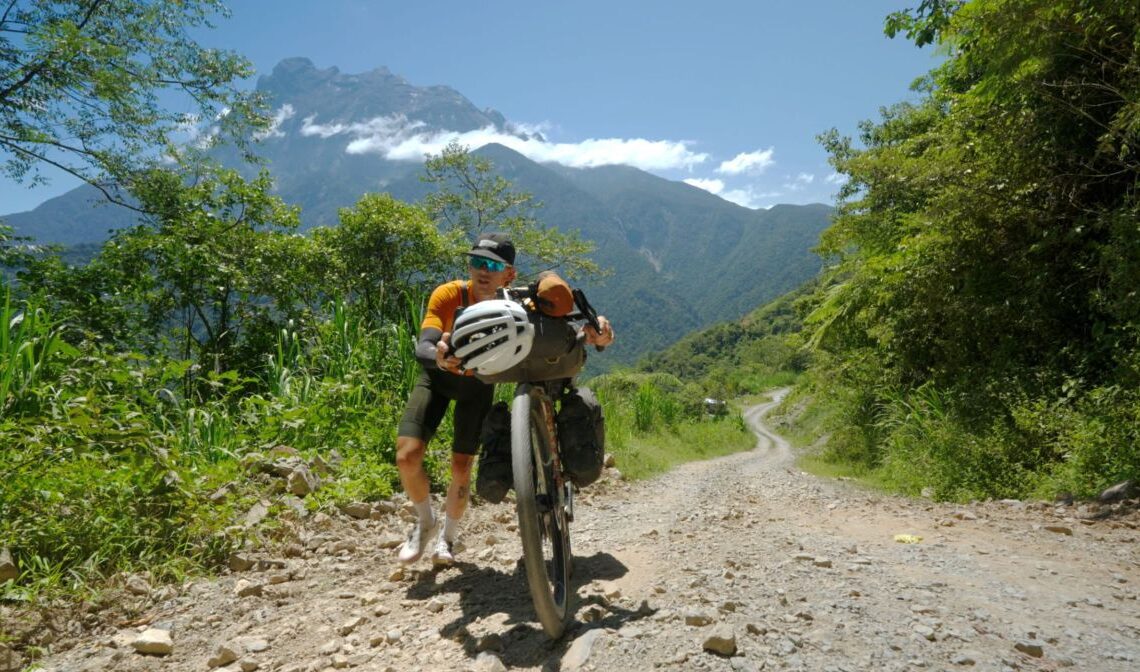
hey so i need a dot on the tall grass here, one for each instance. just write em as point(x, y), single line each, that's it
point(28, 342)
point(655, 422)
point(107, 467)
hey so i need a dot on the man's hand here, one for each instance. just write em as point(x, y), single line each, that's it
point(599, 339)
point(443, 360)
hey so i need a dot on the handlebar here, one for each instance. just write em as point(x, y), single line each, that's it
point(584, 309)
point(588, 312)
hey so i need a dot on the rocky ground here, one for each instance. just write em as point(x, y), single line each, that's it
point(740, 563)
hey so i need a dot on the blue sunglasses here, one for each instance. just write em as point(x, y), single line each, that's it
point(487, 264)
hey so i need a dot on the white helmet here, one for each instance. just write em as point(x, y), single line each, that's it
point(492, 336)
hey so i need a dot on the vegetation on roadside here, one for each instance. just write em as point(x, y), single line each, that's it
point(655, 422)
point(142, 384)
point(979, 333)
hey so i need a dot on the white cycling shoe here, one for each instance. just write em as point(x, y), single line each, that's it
point(444, 553)
point(417, 540)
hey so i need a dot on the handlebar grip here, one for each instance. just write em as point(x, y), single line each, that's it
point(586, 309)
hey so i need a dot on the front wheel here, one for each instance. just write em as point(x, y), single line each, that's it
point(543, 526)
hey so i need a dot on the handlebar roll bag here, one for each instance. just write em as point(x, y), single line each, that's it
point(557, 352)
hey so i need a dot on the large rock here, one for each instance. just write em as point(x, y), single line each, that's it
point(358, 510)
point(10, 661)
point(302, 481)
point(489, 662)
point(722, 641)
point(154, 642)
point(1119, 491)
point(579, 652)
point(1030, 647)
point(8, 570)
point(223, 655)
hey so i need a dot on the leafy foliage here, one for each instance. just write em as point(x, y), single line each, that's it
point(987, 254)
point(107, 468)
point(654, 421)
point(471, 198)
point(382, 251)
point(84, 86)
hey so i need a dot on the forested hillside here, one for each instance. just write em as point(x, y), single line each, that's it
point(678, 255)
point(980, 333)
point(762, 350)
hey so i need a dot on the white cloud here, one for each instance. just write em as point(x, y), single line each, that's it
point(282, 114)
point(798, 182)
point(525, 130)
point(748, 162)
point(399, 139)
point(711, 186)
point(835, 178)
point(750, 198)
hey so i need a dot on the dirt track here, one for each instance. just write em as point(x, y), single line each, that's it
point(743, 552)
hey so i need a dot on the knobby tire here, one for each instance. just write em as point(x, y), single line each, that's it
point(542, 524)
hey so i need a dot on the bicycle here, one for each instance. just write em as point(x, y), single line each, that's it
point(544, 496)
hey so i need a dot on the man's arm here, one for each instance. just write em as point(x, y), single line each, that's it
point(427, 346)
point(433, 351)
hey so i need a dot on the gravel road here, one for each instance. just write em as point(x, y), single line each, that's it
point(739, 563)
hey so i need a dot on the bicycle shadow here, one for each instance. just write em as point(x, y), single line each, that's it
point(486, 591)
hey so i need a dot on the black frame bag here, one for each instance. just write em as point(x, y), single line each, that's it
point(494, 477)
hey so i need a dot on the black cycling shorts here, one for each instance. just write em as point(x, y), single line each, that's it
point(428, 402)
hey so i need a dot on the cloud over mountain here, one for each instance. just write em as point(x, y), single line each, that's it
point(398, 138)
point(748, 162)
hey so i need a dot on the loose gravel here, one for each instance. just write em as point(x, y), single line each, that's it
point(739, 563)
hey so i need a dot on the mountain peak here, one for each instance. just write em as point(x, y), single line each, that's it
point(358, 98)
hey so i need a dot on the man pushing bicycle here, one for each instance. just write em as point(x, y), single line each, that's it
point(491, 267)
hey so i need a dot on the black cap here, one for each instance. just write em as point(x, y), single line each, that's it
point(496, 246)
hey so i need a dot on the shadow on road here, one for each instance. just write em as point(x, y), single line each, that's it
point(485, 591)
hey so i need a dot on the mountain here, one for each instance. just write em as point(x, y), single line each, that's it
point(681, 257)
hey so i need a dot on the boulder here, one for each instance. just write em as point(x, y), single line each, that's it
point(8, 569)
point(722, 641)
point(1120, 491)
point(154, 642)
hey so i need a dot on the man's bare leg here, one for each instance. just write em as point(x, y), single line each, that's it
point(410, 464)
point(457, 495)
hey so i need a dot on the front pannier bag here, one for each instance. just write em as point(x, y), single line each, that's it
point(582, 436)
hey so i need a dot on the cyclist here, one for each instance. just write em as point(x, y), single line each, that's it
point(491, 267)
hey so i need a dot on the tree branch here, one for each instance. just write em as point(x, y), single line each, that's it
point(111, 197)
point(43, 64)
point(7, 11)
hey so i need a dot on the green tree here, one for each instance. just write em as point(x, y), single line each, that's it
point(471, 198)
point(380, 252)
point(86, 86)
point(208, 277)
point(986, 245)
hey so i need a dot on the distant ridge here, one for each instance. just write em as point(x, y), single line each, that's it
point(681, 258)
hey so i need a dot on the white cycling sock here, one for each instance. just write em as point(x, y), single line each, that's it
point(450, 528)
point(423, 510)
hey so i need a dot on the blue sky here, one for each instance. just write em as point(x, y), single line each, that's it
point(728, 95)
